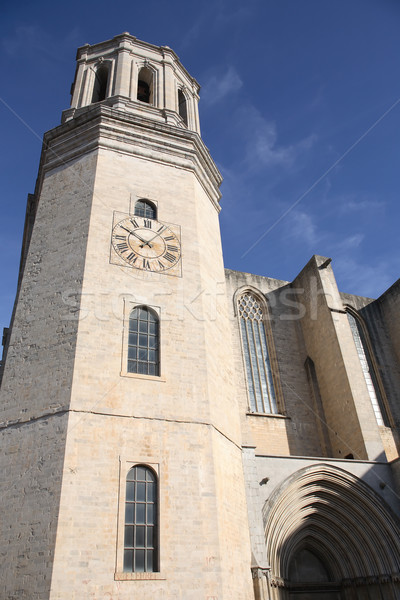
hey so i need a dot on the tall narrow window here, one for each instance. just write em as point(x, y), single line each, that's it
point(100, 83)
point(182, 106)
point(318, 407)
point(141, 536)
point(368, 369)
point(144, 208)
point(258, 366)
point(143, 342)
point(145, 86)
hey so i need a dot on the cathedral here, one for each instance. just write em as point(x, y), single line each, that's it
point(171, 429)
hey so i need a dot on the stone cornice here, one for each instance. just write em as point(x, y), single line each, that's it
point(128, 41)
point(104, 127)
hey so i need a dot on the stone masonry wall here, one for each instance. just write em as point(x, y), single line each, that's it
point(294, 429)
point(31, 463)
point(36, 386)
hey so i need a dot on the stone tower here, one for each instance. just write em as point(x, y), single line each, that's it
point(121, 463)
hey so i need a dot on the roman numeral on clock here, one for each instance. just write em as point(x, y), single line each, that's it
point(169, 237)
point(123, 247)
point(134, 223)
point(132, 257)
point(172, 248)
point(120, 237)
point(147, 223)
point(170, 257)
point(146, 264)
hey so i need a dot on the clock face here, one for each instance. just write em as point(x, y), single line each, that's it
point(146, 244)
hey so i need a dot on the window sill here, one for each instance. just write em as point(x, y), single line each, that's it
point(138, 576)
point(269, 415)
point(141, 376)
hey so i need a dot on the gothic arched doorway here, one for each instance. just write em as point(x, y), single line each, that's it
point(329, 536)
point(310, 578)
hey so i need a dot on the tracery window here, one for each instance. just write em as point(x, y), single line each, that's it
point(143, 342)
point(260, 379)
point(370, 376)
point(144, 208)
point(141, 535)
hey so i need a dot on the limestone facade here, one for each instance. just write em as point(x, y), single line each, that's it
point(75, 418)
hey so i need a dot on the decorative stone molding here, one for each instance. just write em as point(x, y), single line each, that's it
point(277, 582)
point(334, 514)
point(259, 572)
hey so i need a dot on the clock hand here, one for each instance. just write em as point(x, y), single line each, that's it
point(154, 236)
point(145, 242)
point(138, 236)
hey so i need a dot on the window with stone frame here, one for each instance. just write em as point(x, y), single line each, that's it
point(145, 85)
point(143, 342)
point(145, 208)
point(141, 521)
point(260, 377)
point(100, 86)
point(364, 351)
point(182, 106)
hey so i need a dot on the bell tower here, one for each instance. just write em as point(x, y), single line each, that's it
point(136, 77)
point(121, 450)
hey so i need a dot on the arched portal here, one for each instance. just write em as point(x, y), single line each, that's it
point(329, 536)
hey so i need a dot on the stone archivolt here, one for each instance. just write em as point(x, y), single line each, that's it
point(339, 518)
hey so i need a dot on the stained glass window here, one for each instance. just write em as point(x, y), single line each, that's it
point(256, 355)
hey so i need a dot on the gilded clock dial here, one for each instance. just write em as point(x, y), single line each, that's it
point(146, 244)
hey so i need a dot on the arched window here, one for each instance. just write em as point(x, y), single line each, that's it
point(144, 208)
point(141, 536)
point(143, 342)
point(100, 83)
point(182, 106)
point(145, 86)
point(256, 355)
point(370, 376)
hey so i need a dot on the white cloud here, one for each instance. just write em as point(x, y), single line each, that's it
point(365, 279)
point(358, 203)
point(262, 148)
point(349, 243)
point(218, 88)
point(301, 226)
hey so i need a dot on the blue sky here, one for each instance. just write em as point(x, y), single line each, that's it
point(300, 108)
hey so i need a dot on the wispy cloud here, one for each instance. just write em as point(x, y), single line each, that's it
point(365, 278)
point(227, 14)
point(216, 88)
point(358, 203)
point(217, 16)
point(262, 144)
point(348, 243)
point(355, 272)
point(301, 226)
